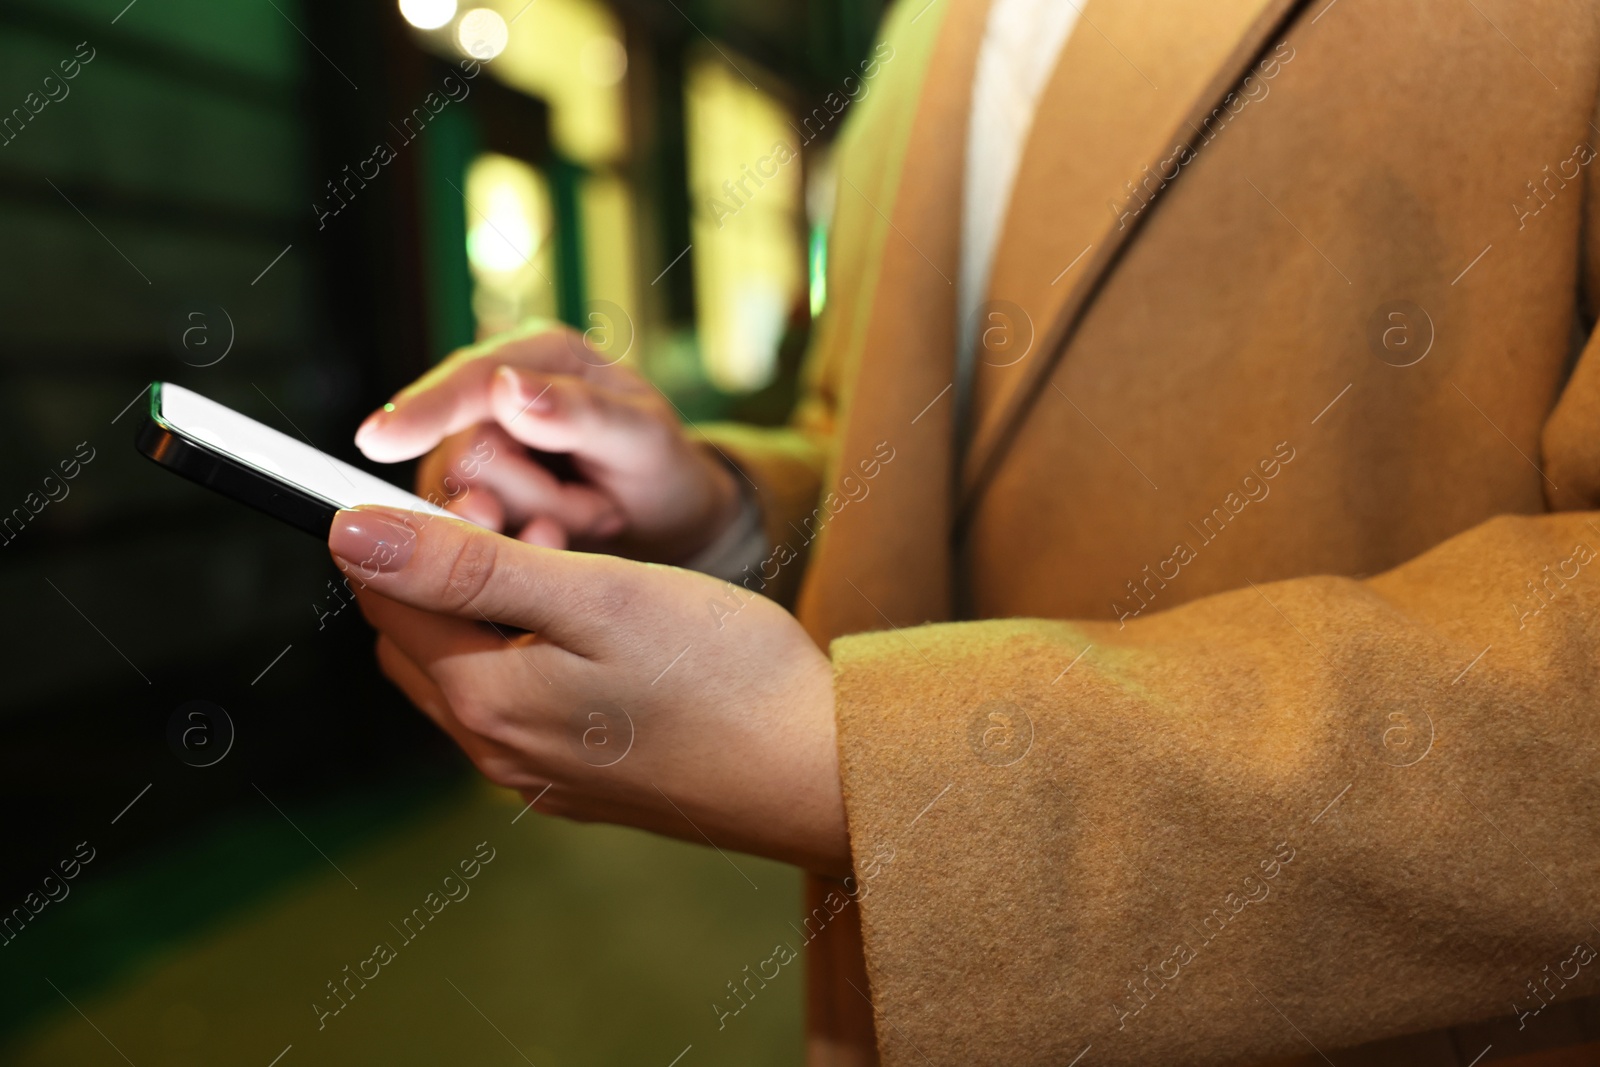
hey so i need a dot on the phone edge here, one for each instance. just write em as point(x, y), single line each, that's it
point(169, 447)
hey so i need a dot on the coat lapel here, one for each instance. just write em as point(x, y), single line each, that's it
point(889, 334)
point(1124, 96)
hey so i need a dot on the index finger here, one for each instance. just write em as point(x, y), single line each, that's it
point(455, 394)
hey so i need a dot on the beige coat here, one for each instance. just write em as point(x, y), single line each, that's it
point(1271, 731)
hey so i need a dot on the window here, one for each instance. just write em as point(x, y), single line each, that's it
point(508, 243)
point(748, 224)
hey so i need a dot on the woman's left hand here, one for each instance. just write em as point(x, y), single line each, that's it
point(610, 690)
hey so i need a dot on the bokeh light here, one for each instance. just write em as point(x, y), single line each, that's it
point(482, 33)
point(428, 14)
point(603, 60)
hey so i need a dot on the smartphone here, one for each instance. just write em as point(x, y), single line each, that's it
point(240, 458)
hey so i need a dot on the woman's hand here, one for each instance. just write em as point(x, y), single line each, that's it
point(609, 690)
point(647, 490)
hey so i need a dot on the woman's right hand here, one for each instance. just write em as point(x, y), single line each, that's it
point(646, 490)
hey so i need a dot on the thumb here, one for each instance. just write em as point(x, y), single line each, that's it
point(454, 568)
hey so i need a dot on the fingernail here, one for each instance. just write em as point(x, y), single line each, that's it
point(509, 377)
point(371, 541)
point(370, 423)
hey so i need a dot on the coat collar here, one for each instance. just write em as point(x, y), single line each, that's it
point(1138, 81)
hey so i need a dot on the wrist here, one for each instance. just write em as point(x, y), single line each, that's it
point(823, 848)
point(728, 498)
point(727, 518)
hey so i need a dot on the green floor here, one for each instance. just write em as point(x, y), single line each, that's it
point(575, 945)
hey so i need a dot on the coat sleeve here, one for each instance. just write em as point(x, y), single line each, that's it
point(1313, 812)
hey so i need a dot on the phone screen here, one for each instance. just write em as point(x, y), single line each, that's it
point(279, 455)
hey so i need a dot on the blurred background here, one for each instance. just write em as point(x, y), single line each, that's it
point(214, 804)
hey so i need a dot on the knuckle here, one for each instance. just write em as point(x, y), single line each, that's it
point(495, 768)
point(487, 760)
point(474, 715)
point(459, 694)
point(504, 771)
point(472, 567)
point(613, 600)
point(602, 594)
point(481, 715)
